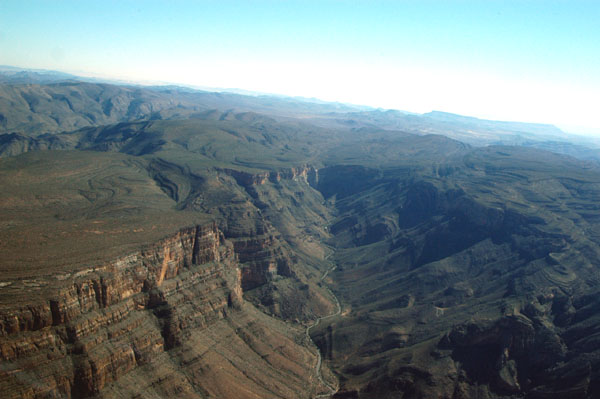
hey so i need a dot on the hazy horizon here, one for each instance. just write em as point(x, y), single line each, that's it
point(519, 61)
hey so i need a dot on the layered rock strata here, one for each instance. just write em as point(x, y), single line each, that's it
point(246, 179)
point(115, 320)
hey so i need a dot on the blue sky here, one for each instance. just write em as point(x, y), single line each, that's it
point(535, 61)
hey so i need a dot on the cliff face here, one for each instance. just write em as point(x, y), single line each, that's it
point(277, 234)
point(104, 323)
point(263, 258)
point(246, 179)
point(117, 281)
point(276, 222)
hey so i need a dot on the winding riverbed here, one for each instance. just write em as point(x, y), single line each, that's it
point(316, 323)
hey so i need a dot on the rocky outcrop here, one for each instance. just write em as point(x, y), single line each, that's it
point(106, 321)
point(489, 352)
point(526, 354)
point(276, 231)
point(247, 179)
point(263, 257)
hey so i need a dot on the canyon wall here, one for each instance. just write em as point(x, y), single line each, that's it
point(115, 321)
point(246, 179)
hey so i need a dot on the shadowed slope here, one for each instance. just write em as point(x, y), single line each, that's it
point(452, 282)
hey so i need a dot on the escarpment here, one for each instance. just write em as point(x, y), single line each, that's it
point(116, 321)
point(264, 258)
point(276, 225)
point(103, 286)
point(247, 179)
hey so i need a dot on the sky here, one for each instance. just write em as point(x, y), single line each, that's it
point(530, 61)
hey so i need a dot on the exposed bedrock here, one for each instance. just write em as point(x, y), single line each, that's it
point(527, 353)
point(277, 225)
point(263, 258)
point(246, 179)
point(452, 290)
point(116, 320)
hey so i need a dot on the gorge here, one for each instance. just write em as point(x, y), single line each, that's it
point(170, 243)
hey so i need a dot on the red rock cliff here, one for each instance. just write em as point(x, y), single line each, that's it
point(103, 322)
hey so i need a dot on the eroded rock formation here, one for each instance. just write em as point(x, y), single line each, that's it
point(103, 323)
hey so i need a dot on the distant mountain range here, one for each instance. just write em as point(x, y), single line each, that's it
point(35, 102)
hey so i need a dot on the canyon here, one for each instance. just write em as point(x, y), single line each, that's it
point(222, 246)
point(172, 313)
point(159, 315)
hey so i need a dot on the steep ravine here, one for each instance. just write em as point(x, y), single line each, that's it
point(167, 320)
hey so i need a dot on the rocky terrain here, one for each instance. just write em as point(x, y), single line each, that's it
point(468, 283)
point(170, 316)
point(188, 248)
